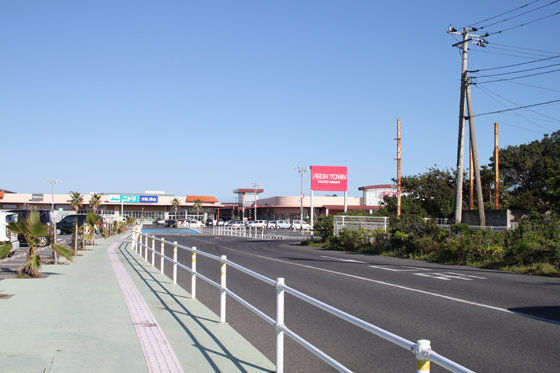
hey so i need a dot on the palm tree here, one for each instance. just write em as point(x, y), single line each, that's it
point(95, 202)
point(92, 220)
point(197, 204)
point(32, 230)
point(76, 200)
point(175, 204)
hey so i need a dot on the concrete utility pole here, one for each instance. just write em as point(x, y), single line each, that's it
point(480, 202)
point(464, 44)
point(53, 183)
point(398, 168)
point(302, 171)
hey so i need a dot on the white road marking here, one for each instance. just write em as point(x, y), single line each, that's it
point(388, 268)
point(343, 260)
point(393, 285)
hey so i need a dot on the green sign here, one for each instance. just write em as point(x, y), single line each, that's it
point(124, 198)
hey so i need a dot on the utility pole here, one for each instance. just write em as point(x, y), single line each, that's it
point(472, 135)
point(398, 168)
point(256, 185)
point(53, 183)
point(496, 158)
point(464, 44)
point(302, 171)
point(471, 179)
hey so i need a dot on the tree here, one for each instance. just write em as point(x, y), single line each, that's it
point(530, 172)
point(76, 200)
point(175, 204)
point(197, 204)
point(92, 220)
point(95, 202)
point(32, 230)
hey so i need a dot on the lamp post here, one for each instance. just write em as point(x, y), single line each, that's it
point(53, 183)
point(302, 171)
point(256, 185)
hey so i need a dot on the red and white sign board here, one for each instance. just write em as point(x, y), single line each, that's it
point(329, 178)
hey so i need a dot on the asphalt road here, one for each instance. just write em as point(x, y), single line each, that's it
point(486, 320)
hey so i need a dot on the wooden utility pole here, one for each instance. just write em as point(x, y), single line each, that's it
point(398, 168)
point(496, 159)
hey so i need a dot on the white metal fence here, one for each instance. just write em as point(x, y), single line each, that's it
point(354, 223)
point(421, 349)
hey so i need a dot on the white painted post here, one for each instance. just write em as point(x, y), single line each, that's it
point(279, 325)
point(193, 274)
point(223, 291)
point(139, 244)
point(422, 351)
point(146, 247)
point(262, 232)
point(175, 262)
point(153, 250)
point(162, 261)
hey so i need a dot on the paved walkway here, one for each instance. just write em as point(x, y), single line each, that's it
point(77, 320)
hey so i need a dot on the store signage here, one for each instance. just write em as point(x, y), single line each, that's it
point(148, 199)
point(329, 178)
point(124, 198)
point(37, 197)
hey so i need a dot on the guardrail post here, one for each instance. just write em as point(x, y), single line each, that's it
point(279, 325)
point(139, 244)
point(162, 260)
point(146, 247)
point(223, 290)
point(153, 250)
point(262, 232)
point(175, 262)
point(193, 274)
point(422, 350)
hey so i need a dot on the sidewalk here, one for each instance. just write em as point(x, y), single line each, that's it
point(77, 320)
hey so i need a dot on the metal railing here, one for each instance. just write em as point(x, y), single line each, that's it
point(422, 350)
point(354, 223)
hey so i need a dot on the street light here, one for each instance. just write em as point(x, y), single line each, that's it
point(53, 183)
point(256, 185)
point(302, 171)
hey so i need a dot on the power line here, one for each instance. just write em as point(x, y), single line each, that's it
point(518, 71)
point(517, 64)
point(517, 108)
point(512, 125)
point(529, 49)
point(527, 119)
point(523, 24)
point(515, 51)
point(509, 11)
point(518, 77)
point(534, 86)
point(502, 54)
point(519, 15)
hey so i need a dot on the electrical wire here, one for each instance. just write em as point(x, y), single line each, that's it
point(518, 77)
point(517, 72)
point(519, 15)
point(527, 119)
point(502, 54)
point(529, 49)
point(517, 108)
point(523, 24)
point(517, 64)
point(511, 125)
point(534, 86)
point(499, 15)
point(515, 51)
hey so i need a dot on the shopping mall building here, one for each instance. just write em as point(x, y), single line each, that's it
point(155, 204)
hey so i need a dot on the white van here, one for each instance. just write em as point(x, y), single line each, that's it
point(300, 224)
point(5, 235)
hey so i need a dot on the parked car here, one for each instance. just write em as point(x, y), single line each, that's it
point(209, 222)
point(270, 224)
point(300, 224)
point(159, 221)
point(195, 224)
point(235, 224)
point(5, 235)
point(282, 224)
point(45, 218)
point(220, 222)
point(256, 224)
point(170, 223)
point(66, 225)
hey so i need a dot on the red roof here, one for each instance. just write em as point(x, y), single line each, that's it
point(202, 198)
point(248, 190)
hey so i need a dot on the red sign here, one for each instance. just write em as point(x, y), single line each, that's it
point(329, 178)
point(301, 195)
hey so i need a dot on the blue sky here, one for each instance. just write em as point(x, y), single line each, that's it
point(203, 97)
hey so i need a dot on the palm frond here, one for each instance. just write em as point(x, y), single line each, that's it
point(64, 251)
